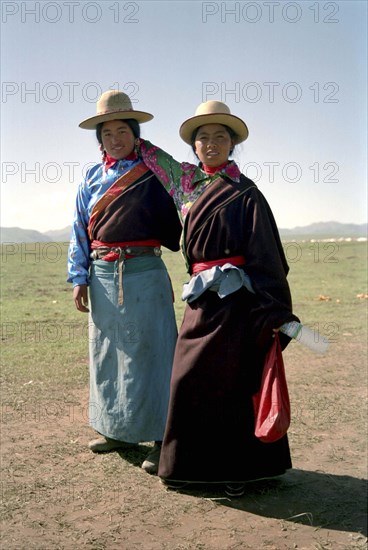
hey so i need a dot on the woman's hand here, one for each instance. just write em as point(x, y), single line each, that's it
point(80, 297)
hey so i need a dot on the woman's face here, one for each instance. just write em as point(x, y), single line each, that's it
point(117, 139)
point(213, 144)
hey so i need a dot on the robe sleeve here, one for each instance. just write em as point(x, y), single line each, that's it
point(178, 178)
point(267, 267)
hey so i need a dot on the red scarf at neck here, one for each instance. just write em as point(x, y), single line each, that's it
point(110, 161)
point(210, 170)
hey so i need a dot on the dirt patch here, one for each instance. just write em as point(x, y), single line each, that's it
point(58, 495)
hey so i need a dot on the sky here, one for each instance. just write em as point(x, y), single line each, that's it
point(295, 72)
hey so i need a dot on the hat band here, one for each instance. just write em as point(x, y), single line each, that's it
point(101, 113)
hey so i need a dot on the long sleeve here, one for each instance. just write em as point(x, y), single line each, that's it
point(90, 190)
point(267, 267)
point(79, 248)
point(183, 181)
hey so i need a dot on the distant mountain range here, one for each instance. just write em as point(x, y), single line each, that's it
point(327, 230)
point(18, 235)
point(315, 230)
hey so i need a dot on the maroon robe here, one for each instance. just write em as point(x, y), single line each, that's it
point(144, 210)
point(221, 346)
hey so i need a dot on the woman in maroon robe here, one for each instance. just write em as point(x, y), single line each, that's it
point(237, 297)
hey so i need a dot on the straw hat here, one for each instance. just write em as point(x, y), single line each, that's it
point(114, 105)
point(213, 112)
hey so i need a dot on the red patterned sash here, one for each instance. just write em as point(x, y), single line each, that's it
point(114, 191)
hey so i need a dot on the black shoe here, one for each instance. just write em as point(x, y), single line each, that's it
point(235, 489)
point(173, 484)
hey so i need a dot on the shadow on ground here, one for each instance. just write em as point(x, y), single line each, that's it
point(136, 455)
point(318, 499)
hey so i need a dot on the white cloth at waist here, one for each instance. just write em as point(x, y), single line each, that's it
point(224, 280)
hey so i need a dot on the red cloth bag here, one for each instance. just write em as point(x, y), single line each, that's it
point(271, 403)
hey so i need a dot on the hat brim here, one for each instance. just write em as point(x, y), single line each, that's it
point(91, 123)
point(235, 123)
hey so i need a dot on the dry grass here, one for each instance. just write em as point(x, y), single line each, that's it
point(58, 495)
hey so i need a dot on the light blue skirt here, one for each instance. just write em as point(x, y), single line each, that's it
point(131, 349)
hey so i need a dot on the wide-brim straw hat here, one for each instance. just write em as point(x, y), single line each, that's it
point(114, 105)
point(213, 112)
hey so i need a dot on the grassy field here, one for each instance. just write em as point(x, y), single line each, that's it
point(45, 339)
point(44, 377)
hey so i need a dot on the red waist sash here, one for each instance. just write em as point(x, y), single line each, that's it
point(114, 255)
point(201, 266)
